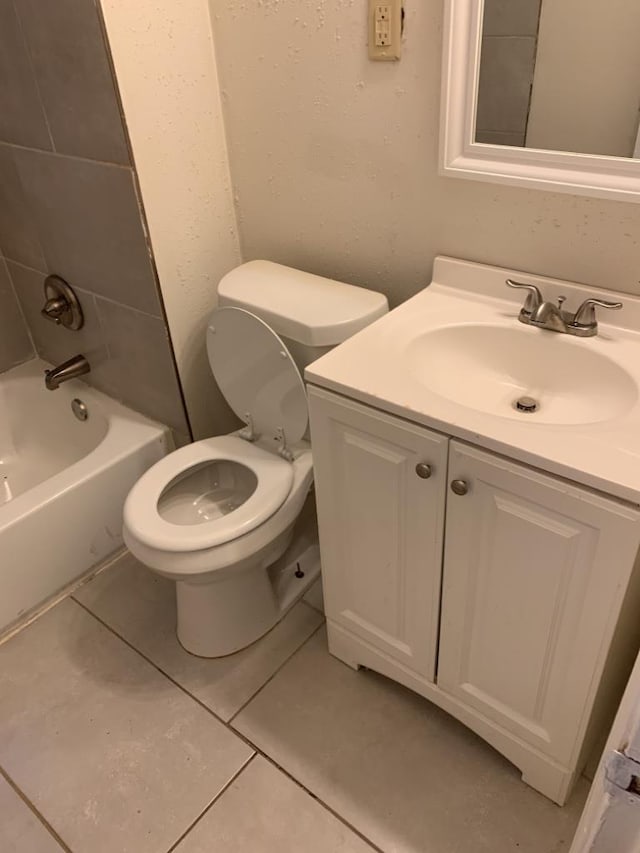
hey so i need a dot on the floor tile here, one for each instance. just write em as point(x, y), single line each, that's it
point(20, 829)
point(404, 773)
point(110, 752)
point(263, 811)
point(140, 606)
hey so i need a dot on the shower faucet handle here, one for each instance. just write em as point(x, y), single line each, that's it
point(54, 309)
point(61, 304)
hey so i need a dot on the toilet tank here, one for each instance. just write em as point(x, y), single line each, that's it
point(310, 313)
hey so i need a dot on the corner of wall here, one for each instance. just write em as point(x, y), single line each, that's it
point(173, 111)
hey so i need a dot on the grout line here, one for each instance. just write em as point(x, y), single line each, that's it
point(66, 592)
point(41, 819)
point(276, 671)
point(99, 296)
point(36, 81)
point(85, 291)
point(227, 725)
point(13, 261)
point(318, 800)
point(215, 714)
point(156, 667)
point(12, 287)
point(222, 790)
point(61, 155)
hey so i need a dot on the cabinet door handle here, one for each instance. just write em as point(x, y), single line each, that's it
point(423, 470)
point(459, 487)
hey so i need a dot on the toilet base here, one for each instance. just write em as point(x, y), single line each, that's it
point(219, 618)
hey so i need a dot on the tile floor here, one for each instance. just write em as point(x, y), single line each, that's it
point(113, 739)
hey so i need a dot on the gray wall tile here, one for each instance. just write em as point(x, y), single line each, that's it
point(15, 343)
point(88, 220)
point(18, 234)
point(22, 118)
point(511, 17)
point(498, 137)
point(129, 352)
point(74, 211)
point(72, 68)
point(506, 74)
point(140, 370)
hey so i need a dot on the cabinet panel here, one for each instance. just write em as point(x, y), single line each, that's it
point(530, 596)
point(381, 526)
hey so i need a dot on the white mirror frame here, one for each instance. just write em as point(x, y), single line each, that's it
point(462, 157)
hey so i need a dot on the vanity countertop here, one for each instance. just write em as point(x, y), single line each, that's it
point(594, 382)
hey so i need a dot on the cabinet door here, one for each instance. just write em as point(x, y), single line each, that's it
point(381, 526)
point(535, 571)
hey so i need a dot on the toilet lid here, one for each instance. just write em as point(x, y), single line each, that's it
point(256, 373)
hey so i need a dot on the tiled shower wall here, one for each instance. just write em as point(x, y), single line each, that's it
point(69, 205)
point(15, 341)
point(509, 41)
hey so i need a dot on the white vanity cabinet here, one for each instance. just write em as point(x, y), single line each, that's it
point(380, 486)
point(502, 603)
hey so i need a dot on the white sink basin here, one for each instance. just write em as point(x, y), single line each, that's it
point(490, 367)
point(454, 358)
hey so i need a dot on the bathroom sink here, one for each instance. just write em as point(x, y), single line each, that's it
point(518, 372)
point(455, 358)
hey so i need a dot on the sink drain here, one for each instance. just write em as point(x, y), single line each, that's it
point(526, 404)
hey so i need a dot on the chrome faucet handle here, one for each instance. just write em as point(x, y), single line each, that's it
point(533, 300)
point(55, 309)
point(61, 304)
point(585, 316)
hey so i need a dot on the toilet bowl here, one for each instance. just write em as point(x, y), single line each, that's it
point(212, 516)
point(222, 517)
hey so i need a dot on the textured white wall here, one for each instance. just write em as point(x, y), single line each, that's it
point(165, 65)
point(334, 160)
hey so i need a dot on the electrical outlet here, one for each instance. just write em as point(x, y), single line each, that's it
point(385, 30)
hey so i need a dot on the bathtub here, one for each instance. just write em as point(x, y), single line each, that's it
point(63, 482)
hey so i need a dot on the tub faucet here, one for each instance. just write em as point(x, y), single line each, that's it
point(70, 369)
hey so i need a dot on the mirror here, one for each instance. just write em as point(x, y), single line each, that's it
point(562, 75)
point(544, 93)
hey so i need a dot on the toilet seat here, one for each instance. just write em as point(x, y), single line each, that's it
point(273, 475)
point(257, 375)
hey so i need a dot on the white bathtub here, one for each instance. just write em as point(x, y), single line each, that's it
point(62, 483)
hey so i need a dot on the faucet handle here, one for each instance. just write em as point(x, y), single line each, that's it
point(585, 316)
point(533, 300)
point(55, 309)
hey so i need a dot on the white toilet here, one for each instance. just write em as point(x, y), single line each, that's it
point(219, 516)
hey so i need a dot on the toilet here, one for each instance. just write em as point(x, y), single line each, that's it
point(230, 519)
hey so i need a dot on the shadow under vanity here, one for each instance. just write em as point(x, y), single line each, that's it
point(483, 555)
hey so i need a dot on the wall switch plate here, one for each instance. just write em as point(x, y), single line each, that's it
point(385, 30)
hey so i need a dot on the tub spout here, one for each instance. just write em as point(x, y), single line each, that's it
point(70, 369)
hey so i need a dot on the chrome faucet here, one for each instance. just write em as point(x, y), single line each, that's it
point(70, 369)
point(547, 315)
